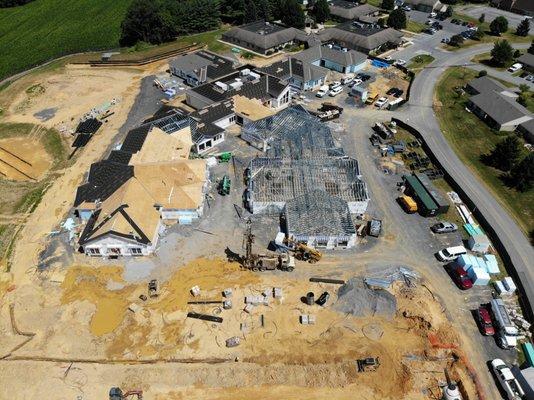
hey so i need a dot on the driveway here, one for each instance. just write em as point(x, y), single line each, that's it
point(474, 11)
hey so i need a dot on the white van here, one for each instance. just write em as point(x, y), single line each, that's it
point(323, 91)
point(335, 91)
point(451, 253)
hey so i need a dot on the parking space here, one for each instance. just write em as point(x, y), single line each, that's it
point(475, 11)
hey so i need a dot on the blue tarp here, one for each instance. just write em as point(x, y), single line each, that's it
point(379, 64)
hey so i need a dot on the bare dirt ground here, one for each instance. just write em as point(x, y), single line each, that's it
point(23, 159)
point(86, 319)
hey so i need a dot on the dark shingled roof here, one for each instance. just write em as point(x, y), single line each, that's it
point(104, 178)
point(265, 35)
point(344, 58)
point(119, 156)
point(291, 67)
point(135, 138)
point(203, 126)
point(359, 35)
point(350, 10)
point(262, 89)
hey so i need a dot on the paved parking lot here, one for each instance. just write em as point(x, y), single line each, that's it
point(491, 13)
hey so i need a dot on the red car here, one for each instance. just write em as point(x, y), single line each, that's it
point(462, 279)
point(484, 320)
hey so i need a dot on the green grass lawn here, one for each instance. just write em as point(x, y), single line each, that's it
point(46, 29)
point(510, 35)
point(414, 26)
point(420, 61)
point(470, 138)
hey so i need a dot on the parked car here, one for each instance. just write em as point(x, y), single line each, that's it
point(507, 380)
point(484, 320)
point(381, 102)
point(444, 227)
point(363, 77)
point(356, 82)
point(461, 278)
point(335, 91)
point(347, 80)
point(515, 67)
point(387, 58)
point(445, 40)
point(430, 31)
point(432, 14)
point(334, 84)
point(451, 253)
point(323, 91)
point(406, 8)
point(323, 299)
point(529, 78)
point(400, 61)
point(465, 23)
point(430, 22)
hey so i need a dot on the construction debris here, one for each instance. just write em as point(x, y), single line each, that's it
point(204, 317)
point(306, 319)
point(327, 280)
point(368, 364)
point(385, 280)
point(233, 341)
point(195, 291)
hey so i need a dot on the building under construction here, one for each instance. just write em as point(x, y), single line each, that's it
point(292, 133)
point(272, 182)
point(320, 220)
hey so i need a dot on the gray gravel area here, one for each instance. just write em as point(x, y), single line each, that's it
point(357, 299)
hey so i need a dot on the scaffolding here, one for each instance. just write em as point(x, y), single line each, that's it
point(319, 216)
point(292, 133)
point(274, 181)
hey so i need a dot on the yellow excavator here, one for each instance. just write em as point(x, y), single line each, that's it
point(303, 252)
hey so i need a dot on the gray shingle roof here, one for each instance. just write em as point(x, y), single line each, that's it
point(291, 67)
point(365, 37)
point(349, 10)
point(527, 59)
point(501, 108)
point(486, 84)
point(264, 34)
point(344, 58)
point(189, 62)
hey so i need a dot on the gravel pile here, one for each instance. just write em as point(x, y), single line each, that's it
point(357, 299)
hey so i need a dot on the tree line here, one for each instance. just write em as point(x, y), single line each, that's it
point(158, 21)
point(13, 3)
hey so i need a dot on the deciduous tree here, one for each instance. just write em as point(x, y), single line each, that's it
point(321, 11)
point(397, 19)
point(293, 15)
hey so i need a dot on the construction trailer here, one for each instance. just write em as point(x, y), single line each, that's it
point(442, 203)
point(426, 206)
point(272, 182)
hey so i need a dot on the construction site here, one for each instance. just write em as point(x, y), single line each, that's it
point(149, 269)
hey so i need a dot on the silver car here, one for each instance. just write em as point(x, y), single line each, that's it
point(444, 227)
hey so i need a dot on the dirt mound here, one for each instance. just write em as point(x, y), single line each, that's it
point(357, 299)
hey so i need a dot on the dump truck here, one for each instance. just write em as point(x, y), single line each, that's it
point(408, 204)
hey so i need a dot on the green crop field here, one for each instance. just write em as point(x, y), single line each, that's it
point(46, 29)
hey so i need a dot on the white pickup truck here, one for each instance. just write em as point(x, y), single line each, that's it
point(506, 378)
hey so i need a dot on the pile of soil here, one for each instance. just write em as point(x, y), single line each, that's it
point(357, 299)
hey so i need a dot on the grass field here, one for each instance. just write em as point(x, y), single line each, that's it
point(510, 35)
point(46, 29)
point(470, 138)
point(420, 61)
point(414, 26)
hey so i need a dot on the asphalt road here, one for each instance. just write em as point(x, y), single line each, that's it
point(490, 13)
point(420, 114)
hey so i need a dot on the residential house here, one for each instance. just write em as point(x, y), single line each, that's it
point(495, 105)
point(426, 5)
point(342, 10)
point(524, 7)
point(339, 60)
point(200, 67)
point(360, 36)
point(526, 129)
point(300, 75)
point(269, 90)
point(130, 221)
point(265, 37)
point(527, 60)
point(209, 124)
